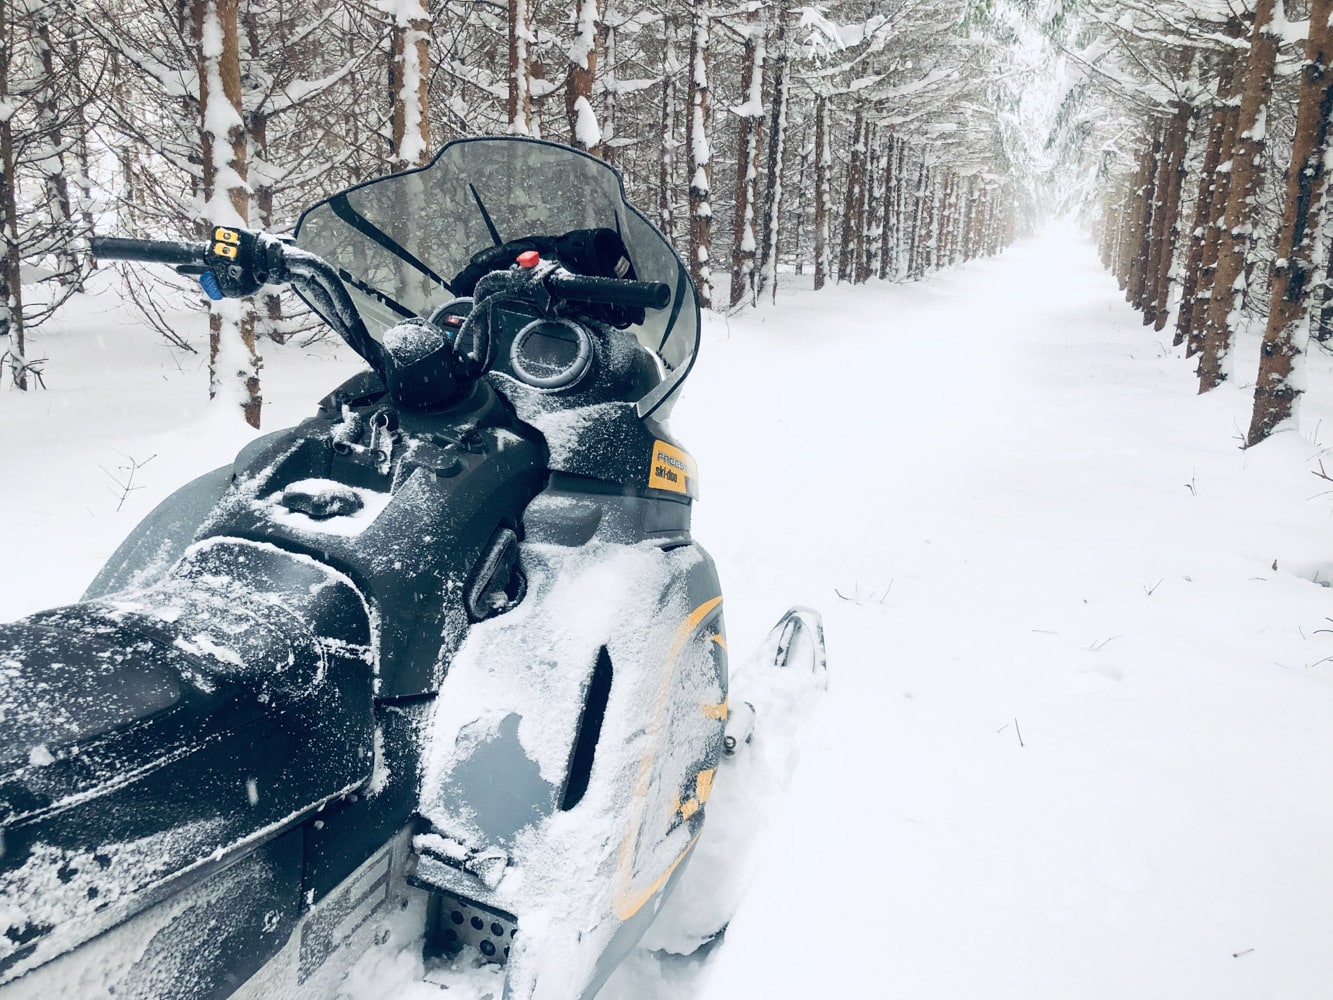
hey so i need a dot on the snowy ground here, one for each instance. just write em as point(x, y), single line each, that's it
point(1077, 741)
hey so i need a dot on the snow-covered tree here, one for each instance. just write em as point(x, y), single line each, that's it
point(750, 113)
point(1278, 385)
point(43, 212)
point(584, 131)
point(698, 153)
point(409, 81)
point(234, 361)
point(1238, 230)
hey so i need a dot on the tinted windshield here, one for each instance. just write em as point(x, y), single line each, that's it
point(399, 241)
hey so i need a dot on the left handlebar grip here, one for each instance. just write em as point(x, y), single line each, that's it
point(151, 251)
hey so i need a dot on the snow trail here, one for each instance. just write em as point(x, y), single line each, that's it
point(1074, 711)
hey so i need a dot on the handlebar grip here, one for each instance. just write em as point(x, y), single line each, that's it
point(611, 291)
point(150, 251)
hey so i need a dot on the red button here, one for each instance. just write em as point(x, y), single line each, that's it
point(529, 258)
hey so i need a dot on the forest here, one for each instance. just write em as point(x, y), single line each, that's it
point(842, 142)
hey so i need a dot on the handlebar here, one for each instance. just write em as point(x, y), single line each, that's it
point(610, 291)
point(235, 263)
point(175, 252)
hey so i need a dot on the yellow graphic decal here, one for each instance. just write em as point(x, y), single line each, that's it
point(718, 712)
point(627, 901)
point(671, 469)
point(703, 787)
point(627, 907)
point(703, 784)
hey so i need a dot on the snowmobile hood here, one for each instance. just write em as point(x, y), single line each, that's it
point(399, 241)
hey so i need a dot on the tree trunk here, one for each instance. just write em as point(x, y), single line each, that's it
point(949, 220)
point(1229, 91)
point(584, 131)
point(699, 155)
point(519, 107)
point(823, 161)
point(867, 256)
point(918, 233)
point(223, 139)
point(751, 115)
point(888, 183)
point(805, 159)
point(1167, 230)
point(991, 224)
point(1131, 213)
point(853, 209)
point(1124, 211)
point(976, 216)
point(269, 302)
point(79, 99)
point(1142, 240)
point(1209, 181)
point(409, 84)
point(268, 318)
point(666, 171)
point(1106, 229)
point(901, 200)
point(1229, 283)
point(11, 281)
point(59, 207)
point(611, 94)
point(929, 222)
point(1323, 325)
point(1212, 236)
point(1275, 391)
point(777, 139)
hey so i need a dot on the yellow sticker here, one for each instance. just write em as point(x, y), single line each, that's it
point(226, 235)
point(223, 250)
point(703, 784)
point(671, 469)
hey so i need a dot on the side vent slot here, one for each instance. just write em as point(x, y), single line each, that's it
point(590, 730)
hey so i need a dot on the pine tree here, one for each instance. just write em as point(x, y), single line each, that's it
point(409, 79)
point(1229, 283)
point(698, 154)
point(751, 115)
point(234, 361)
point(11, 279)
point(1276, 390)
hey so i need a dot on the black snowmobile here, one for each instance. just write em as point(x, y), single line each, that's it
point(445, 649)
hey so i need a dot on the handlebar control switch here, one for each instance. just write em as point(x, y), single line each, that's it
point(231, 261)
point(242, 261)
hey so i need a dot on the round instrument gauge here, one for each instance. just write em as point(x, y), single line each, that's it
point(551, 353)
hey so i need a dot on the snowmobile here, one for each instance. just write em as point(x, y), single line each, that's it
point(445, 652)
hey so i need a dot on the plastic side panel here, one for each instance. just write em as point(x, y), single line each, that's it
point(161, 537)
point(196, 945)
